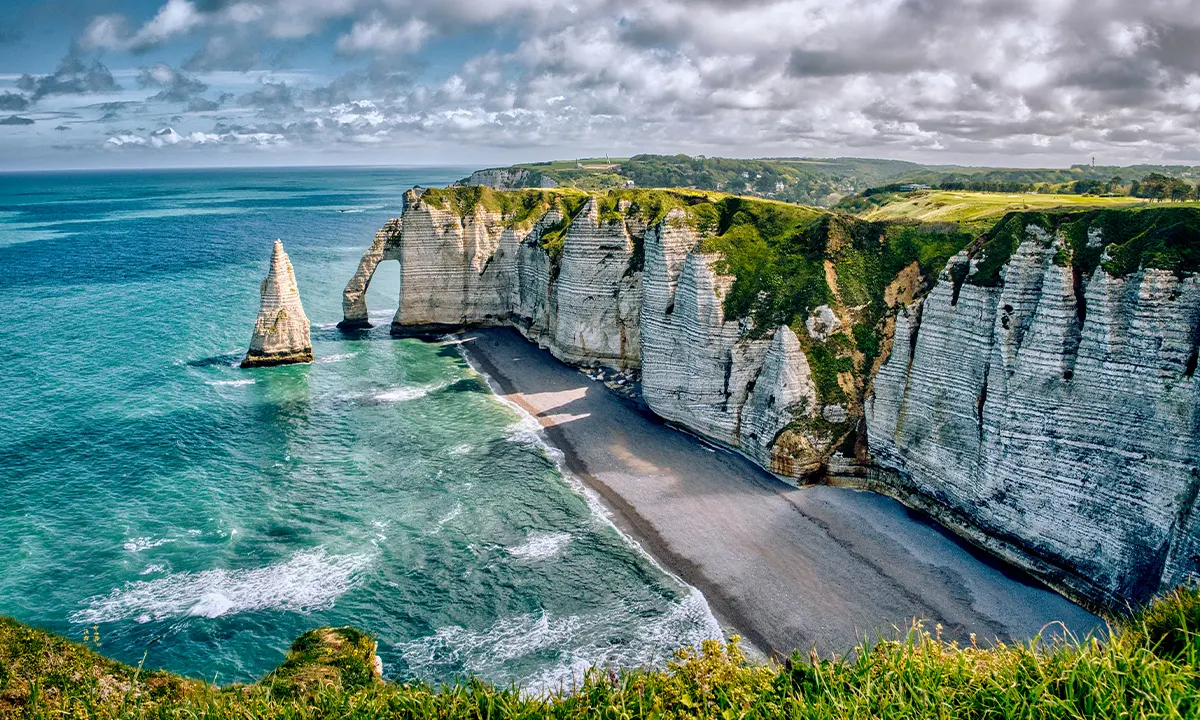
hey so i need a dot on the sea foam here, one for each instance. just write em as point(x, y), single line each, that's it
point(309, 580)
point(541, 545)
point(495, 652)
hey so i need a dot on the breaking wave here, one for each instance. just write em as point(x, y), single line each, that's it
point(625, 642)
point(309, 580)
point(541, 545)
point(406, 393)
point(145, 543)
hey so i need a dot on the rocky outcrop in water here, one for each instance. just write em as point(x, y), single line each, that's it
point(281, 332)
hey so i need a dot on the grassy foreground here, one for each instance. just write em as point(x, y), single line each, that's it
point(1149, 668)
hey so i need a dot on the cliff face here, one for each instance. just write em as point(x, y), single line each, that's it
point(606, 281)
point(281, 331)
point(510, 178)
point(1035, 392)
point(1052, 416)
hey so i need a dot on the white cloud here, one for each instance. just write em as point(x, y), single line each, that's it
point(174, 18)
point(993, 78)
point(126, 140)
point(108, 32)
point(359, 112)
point(378, 37)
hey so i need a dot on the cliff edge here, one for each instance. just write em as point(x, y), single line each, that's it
point(751, 322)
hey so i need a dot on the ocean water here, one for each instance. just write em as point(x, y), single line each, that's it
point(202, 516)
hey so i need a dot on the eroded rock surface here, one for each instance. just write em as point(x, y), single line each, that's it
point(1053, 419)
point(624, 291)
point(281, 331)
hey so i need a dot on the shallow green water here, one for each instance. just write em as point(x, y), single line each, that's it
point(206, 515)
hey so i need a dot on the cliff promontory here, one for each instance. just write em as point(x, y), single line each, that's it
point(709, 296)
point(1033, 389)
point(281, 331)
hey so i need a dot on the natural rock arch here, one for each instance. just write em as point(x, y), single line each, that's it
point(354, 297)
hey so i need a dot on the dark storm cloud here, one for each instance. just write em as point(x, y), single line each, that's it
point(176, 86)
point(236, 52)
point(825, 63)
point(15, 120)
point(272, 98)
point(73, 77)
point(13, 101)
point(200, 104)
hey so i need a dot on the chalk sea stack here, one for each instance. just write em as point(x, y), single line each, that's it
point(281, 332)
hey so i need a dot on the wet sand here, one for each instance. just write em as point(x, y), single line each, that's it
point(787, 568)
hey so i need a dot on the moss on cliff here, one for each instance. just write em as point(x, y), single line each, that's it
point(340, 657)
point(1167, 238)
point(775, 251)
point(1001, 242)
point(1148, 668)
point(517, 208)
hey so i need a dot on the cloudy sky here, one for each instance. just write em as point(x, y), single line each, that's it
point(129, 83)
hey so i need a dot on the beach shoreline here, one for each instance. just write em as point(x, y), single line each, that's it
point(786, 568)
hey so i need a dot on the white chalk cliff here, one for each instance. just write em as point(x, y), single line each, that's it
point(622, 293)
point(1055, 423)
point(1050, 418)
point(281, 331)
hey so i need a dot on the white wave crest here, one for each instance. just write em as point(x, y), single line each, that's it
point(406, 393)
point(688, 623)
point(580, 642)
point(139, 544)
point(231, 382)
point(336, 358)
point(307, 581)
point(401, 394)
point(483, 651)
point(525, 430)
point(541, 545)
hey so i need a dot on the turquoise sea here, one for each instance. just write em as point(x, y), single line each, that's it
point(202, 516)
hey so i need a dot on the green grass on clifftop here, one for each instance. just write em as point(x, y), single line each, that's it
point(1165, 237)
point(1149, 668)
point(975, 207)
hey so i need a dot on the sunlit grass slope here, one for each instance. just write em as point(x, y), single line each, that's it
point(1148, 668)
point(973, 207)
